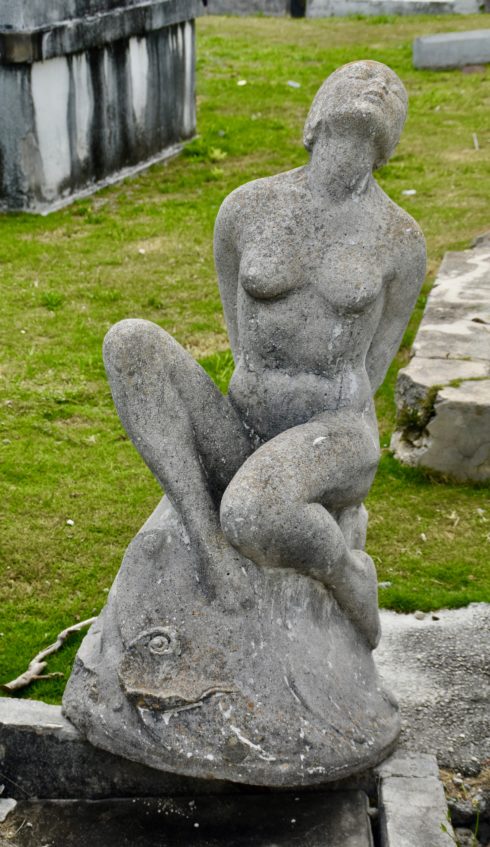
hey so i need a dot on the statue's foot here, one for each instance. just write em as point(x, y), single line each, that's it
point(232, 578)
point(356, 591)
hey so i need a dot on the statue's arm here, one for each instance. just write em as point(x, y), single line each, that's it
point(227, 260)
point(400, 297)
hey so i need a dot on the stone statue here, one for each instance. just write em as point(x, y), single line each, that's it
point(237, 638)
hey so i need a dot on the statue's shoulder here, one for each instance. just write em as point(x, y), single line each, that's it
point(253, 197)
point(403, 231)
point(406, 243)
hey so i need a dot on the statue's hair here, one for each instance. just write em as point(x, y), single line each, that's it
point(317, 115)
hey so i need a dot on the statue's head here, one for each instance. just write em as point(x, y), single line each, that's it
point(366, 96)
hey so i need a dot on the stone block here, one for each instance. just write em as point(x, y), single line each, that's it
point(93, 92)
point(452, 49)
point(7, 806)
point(248, 7)
point(341, 8)
point(443, 395)
point(413, 810)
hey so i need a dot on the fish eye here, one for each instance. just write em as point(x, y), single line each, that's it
point(160, 640)
point(161, 643)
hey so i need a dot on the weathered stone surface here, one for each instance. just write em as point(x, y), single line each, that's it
point(328, 8)
point(452, 49)
point(237, 638)
point(413, 811)
point(7, 806)
point(443, 395)
point(412, 805)
point(17, 16)
point(248, 7)
point(31, 33)
point(320, 820)
point(87, 100)
point(32, 733)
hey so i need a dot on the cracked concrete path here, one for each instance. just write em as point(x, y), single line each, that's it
point(439, 670)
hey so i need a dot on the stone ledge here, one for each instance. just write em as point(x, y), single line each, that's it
point(452, 49)
point(21, 15)
point(443, 395)
point(43, 756)
point(26, 45)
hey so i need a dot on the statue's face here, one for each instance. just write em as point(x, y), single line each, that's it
point(362, 84)
point(366, 95)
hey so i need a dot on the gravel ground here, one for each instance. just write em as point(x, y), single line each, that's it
point(438, 667)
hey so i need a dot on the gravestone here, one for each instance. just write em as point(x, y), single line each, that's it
point(452, 49)
point(237, 639)
point(90, 91)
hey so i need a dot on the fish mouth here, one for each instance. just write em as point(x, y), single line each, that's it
point(174, 701)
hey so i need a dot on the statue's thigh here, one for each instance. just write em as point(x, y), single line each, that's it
point(221, 438)
point(331, 461)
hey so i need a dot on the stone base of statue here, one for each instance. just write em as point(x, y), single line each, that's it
point(281, 692)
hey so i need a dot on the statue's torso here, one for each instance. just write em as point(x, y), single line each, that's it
point(310, 296)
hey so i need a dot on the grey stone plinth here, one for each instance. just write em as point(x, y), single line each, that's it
point(443, 395)
point(32, 732)
point(340, 8)
point(90, 95)
point(43, 755)
point(413, 809)
point(452, 49)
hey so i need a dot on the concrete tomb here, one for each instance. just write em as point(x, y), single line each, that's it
point(237, 639)
point(443, 395)
point(90, 91)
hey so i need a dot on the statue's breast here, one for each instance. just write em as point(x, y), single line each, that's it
point(350, 278)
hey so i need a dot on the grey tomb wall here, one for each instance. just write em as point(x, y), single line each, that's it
point(91, 90)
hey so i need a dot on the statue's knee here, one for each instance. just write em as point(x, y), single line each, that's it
point(136, 344)
point(241, 519)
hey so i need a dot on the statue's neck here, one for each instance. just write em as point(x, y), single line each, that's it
point(341, 170)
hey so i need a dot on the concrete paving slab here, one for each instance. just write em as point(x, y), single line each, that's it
point(315, 820)
point(452, 49)
point(413, 813)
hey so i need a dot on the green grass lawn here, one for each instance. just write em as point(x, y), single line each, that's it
point(144, 249)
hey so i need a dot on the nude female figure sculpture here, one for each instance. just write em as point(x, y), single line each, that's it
point(318, 272)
